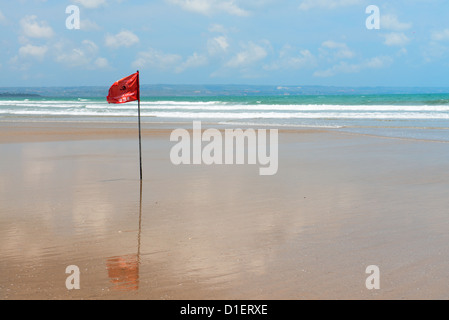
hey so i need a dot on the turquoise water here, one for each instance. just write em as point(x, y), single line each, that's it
point(418, 116)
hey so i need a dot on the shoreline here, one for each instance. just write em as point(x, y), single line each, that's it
point(15, 132)
point(42, 131)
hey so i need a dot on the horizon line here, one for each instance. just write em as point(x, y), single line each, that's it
point(298, 86)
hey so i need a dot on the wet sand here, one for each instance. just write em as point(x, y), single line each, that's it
point(70, 195)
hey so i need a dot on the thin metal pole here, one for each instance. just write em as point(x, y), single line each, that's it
point(140, 145)
point(140, 131)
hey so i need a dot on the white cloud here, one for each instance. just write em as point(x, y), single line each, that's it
point(122, 39)
point(91, 4)
point(19, 64)
point(194, 61)
point(250, 54)
point(342, 67)
point(84, 55)
point(290, 59)
point(378, 62)
point(434, 51)
point(335, 50)
point(441, 35)
point(217, 45)
point(87, 25)
point(217, 28)
point(29, 50)
point(156, 59)
point(335, 45)
point(396, 39)
point(327, 4)
point(209, 7)
point(391, 22)
point(231, 8)
point(34, 29)
point(345, 67)
point(101, 63)
point(2, 18)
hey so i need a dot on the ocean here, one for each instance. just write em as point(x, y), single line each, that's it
point(409, 116)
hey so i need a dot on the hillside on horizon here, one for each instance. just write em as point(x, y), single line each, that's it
point(168, 90)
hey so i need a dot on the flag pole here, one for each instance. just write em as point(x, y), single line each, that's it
point(140, 133)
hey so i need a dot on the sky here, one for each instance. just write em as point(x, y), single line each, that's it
point(258, 42)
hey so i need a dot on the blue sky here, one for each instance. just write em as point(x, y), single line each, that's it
point(282, 42)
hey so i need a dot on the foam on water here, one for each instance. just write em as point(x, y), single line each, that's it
point(217, 109)
point(358, 113)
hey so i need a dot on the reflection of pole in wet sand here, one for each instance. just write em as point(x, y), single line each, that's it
point(140, 224)
point(123, 271)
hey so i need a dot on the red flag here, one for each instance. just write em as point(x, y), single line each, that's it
point(125, 90)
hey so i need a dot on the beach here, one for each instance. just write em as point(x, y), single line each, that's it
point(70, 195)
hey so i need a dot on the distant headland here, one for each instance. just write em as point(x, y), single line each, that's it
point(18, 95)
point(213, 90)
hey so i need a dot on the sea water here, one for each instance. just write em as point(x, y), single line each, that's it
point(414, 116)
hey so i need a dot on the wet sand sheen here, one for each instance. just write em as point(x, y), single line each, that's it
point(70, 195)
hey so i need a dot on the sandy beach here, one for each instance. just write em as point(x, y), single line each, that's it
point(70, 195)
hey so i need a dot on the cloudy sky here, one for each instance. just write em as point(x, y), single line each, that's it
point(275, 42)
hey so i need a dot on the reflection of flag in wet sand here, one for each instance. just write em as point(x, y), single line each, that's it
point(124, 272)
